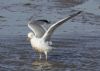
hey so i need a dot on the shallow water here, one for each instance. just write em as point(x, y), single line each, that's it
point(91, 6)
point(76, 43)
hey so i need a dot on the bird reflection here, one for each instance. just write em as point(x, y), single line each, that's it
point(43, 65)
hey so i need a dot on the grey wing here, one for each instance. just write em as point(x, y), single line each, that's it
point(50, 31)
point(44, 23)
point(36, 28)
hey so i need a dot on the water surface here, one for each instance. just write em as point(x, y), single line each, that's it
point(76, 42)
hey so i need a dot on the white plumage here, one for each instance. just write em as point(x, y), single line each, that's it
point(40, 38)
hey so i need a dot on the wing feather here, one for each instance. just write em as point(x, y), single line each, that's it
point(51, 29)
point(36, 28)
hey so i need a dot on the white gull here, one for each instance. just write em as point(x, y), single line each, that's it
point(40, 37)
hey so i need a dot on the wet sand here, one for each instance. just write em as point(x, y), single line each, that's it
point(76, 43)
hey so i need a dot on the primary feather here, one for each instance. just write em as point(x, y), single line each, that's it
point(49, 32)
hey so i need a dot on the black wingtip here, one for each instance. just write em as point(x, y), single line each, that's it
point(73, 15)
point(43, 20)
point(79, 12)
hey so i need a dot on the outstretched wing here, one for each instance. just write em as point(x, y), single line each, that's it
point(49, 32)
point(36, 28)
point(44, 23)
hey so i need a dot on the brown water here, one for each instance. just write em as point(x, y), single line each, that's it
point(76, 43)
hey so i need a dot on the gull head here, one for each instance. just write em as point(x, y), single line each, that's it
point(30, 35)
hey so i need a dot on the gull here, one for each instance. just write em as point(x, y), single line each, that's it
point(40, 37)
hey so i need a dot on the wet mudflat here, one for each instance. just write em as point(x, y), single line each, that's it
point(76, 43)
